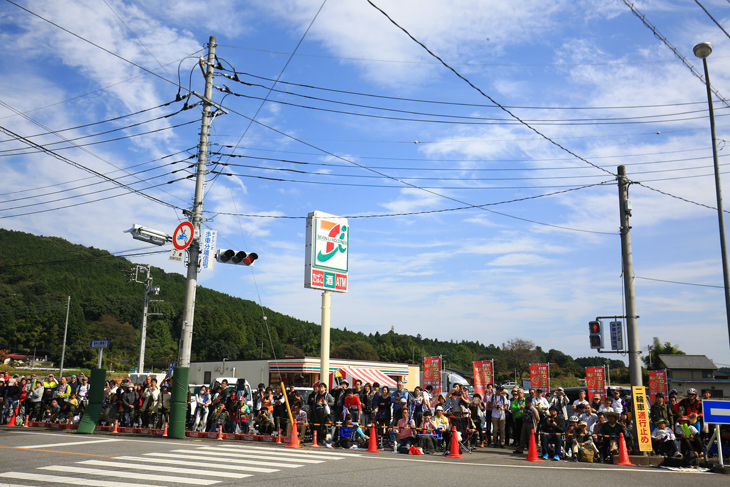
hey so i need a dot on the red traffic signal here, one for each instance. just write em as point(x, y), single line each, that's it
point(596, 334)
point(237, 257)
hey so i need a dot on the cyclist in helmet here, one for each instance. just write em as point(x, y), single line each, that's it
point(692, 404)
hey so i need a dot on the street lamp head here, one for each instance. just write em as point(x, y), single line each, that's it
point(702, 50)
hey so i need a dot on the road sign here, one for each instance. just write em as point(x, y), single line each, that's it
point(183, 236)
point(207, 249)
point(100, 344)
point(717, 412)
point(617, 335)
point(176, 255)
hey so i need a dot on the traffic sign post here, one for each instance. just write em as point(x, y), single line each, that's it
point(717, 413)
point(617, 335)
point(100, 345)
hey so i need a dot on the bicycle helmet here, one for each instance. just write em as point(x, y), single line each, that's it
point(692, 390)
point(573, 418)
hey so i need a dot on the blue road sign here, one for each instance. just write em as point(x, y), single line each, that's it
point(617, 335)
point(100, 344)
point(717, 412)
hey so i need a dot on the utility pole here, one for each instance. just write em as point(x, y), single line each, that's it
point(65, 333)
point(178, 401)
point(628, 271)
point(148, 288)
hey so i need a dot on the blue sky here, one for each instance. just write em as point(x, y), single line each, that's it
point(364, 123)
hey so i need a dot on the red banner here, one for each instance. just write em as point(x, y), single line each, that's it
point(432, 374)
point(483, 375)
point(657, 383)
point(540, 377)
point(595, 382)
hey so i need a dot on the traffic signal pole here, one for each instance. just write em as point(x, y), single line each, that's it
point(181, 373)
point(628, 272)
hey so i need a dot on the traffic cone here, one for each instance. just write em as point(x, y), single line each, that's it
point(14, 420)
point(623, 454)
point(314, 438)
point(116, 425)
point(278, 435)
point(532, 455)
point(164, 431)
point(373, 443)
point(454, 453)
point(294, 438)
point(220, 432)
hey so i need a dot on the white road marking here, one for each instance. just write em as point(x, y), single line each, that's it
point(68, 480)
point(194, 456)
point(129, 474)
point(68, 443)
point(330, 454)
point(161, 468)
point(244, 455)
point(203, 465)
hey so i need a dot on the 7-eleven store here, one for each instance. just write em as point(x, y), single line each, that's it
point(304, 372)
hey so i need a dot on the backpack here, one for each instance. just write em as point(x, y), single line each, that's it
point(586, 455)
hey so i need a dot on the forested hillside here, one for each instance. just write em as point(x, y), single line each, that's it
point(38, 273)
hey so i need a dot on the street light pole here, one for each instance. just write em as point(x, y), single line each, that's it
point(703, 50)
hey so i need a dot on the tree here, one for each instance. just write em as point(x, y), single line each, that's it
point(658, 349)
point(519, 354)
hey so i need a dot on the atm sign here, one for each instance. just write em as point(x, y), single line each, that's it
point(329, 280)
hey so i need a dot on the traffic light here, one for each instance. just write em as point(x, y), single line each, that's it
point(596, 334)
point(237, 257)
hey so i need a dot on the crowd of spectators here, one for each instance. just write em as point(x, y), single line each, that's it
point(583, 429)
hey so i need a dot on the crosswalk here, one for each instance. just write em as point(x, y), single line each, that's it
point(200, 465)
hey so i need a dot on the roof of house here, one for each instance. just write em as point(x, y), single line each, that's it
point(672, 361)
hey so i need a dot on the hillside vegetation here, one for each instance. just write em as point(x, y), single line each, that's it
point(38, 273)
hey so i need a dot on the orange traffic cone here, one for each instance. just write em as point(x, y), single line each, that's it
point(373, 444)
point(294, 438)
point(116, 425)
point(14, 420)
point(454, 453)
point(623, 454)
point(314, 438)
point(532, 455)
point(164, 431)
point(220, 432)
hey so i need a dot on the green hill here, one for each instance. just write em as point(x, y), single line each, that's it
point(38, 273)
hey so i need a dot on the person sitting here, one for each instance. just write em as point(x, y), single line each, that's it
point(553, 427)
point(300, 418)
point(661, 410)
point(581, 440)
point(442, 427)
point(406, 432)
point(570, 432)
point(663, 440)
point(688, 437)
point(429, 438)
point(351, 435)
point(611, 433)
point(52, 412)
point(264, 422)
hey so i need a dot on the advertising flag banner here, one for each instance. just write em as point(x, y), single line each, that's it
point(657, 383)
point(540, 377)
point(483, 375)
point(595, 382)
point(432, 374)
point(643, 431)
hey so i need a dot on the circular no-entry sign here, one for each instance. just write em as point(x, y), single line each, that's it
point(183, 236)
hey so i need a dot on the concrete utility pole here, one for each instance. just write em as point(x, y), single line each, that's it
point(65, 332)
point(628, 271)
point(178, 406)
point(148, 289)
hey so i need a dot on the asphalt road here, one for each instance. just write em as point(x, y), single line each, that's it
point(41, 458)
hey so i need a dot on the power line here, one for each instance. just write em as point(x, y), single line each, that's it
point(712, 18)
point(676, 52)
point(678, 282)
point(469, 120)
point(479, 90)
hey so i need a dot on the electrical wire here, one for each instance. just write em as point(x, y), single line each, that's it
point(679, 282)
point(441, 102)
point(468, 120)
point(712, 18)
